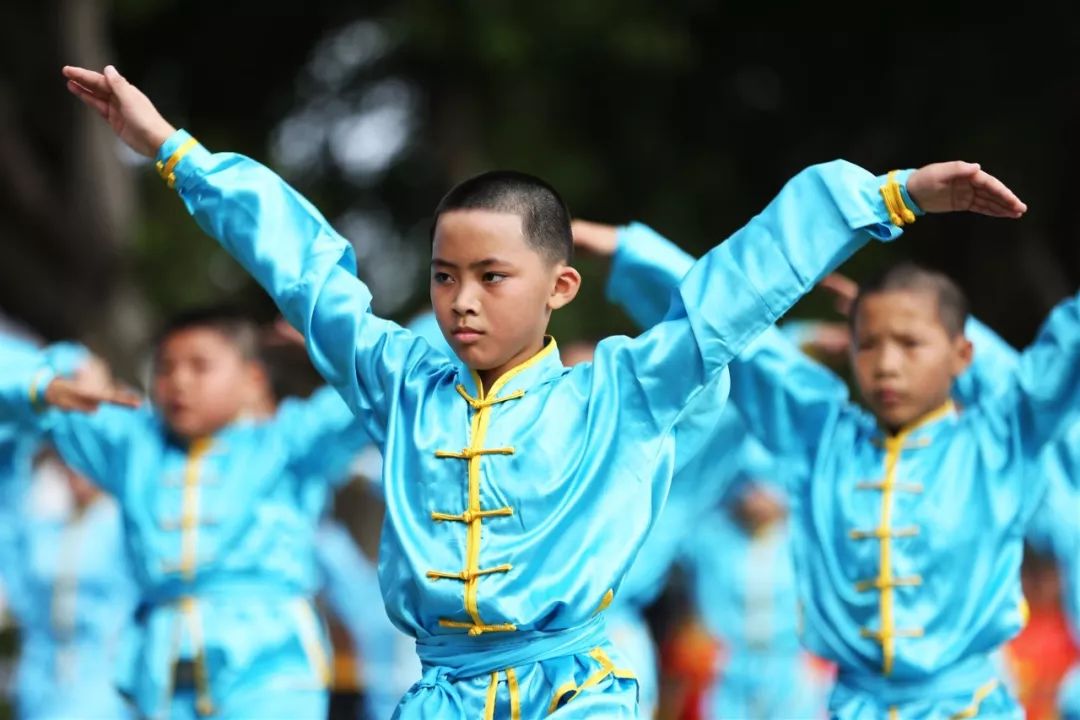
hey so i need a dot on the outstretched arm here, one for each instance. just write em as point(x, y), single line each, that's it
point(323, 435)
point(282, 240)
point(1044, 392)
point(67, 396)
point(646, 267)
point(993, 365)
point(744, 285)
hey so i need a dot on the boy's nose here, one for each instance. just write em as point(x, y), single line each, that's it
point(465, 302)
point(888, 361)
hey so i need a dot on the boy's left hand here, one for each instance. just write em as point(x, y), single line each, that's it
point(596, 238)
point(74, 396)
point(129, 113)
point(282, 334)
point(843, 289)
point(962, 186)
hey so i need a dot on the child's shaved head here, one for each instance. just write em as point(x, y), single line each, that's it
point(239, 330)
point(951, 302)
point(545, 220)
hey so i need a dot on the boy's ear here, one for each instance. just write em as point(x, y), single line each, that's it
point(565, 289)
point(963, 353)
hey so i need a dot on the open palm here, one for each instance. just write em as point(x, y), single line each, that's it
point(962, 187)
point(129, 113)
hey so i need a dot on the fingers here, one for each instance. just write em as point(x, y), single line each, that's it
point(843, 289)
point(992, 195)
point(88, 98)
point(840, 285)
point(93, 81)
point(117, 83)
point(124, 398)
point(87, 401)
point(68, 396)
point(959, 169)
point(580, 230)
point(281, 333)
point(594, 237)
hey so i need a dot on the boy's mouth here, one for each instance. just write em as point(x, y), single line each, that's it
point(466, 334)
point(889, 396)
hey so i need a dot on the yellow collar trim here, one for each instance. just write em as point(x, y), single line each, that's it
point(550, 346)
point(946, 408)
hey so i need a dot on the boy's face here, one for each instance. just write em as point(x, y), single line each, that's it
point(759, 508)
point(492, 292)
point(202, 382)
point(904, 360)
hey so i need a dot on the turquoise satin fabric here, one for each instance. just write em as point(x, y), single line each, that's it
point(1068, 699)
point(744, 590)
point(1055, 530)
point(1054, 526)
point(246, 555)
point(69, 588)
point(351, 588)
point(575, 463)
point(65, 577)
point(835, 454)
point(770, 676)
point(961, 496)
point(642, 284)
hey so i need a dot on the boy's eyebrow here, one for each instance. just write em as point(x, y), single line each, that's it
point(439, 262)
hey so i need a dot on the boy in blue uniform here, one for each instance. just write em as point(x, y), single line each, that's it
point(743, 583)
point(518, 491)
point(1055, 530)
point(911, 607)
point(64, 573)
point(213, 505)
point(72, 594)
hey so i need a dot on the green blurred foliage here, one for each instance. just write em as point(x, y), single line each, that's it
point(672, 113)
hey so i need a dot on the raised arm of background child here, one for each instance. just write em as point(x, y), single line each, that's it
point(1045, 392)
point(646, 267)
point(89, 423)
point(322, 434)
point(283, 241)
point(788, 401)
point(741, 287)
point(993, 365)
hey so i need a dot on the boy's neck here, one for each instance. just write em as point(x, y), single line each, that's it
point(489, 377)
point(936, 411)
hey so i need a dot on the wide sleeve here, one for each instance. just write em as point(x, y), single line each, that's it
point(741, 287)
point(308, 269)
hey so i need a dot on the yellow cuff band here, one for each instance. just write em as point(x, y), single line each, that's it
point(899, 213)
point(37, 395)
point(165, 169)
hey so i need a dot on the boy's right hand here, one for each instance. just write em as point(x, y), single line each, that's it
point(843, 289)
point(76, 396)
point(596, 238)
point(129, 113)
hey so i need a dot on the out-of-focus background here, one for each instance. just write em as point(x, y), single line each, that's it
point(664, 112)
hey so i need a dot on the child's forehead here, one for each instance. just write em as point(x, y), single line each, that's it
point(907, 306)
point(462, 230)
point(194, 337)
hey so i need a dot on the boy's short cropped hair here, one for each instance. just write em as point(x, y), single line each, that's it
point(908, 276)
point(545, 219)
point(234, 326)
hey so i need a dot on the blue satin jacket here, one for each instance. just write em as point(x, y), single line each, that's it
point(515, 510)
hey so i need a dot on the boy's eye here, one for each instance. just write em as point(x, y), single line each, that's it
point(494, 277)
point(441, 278)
